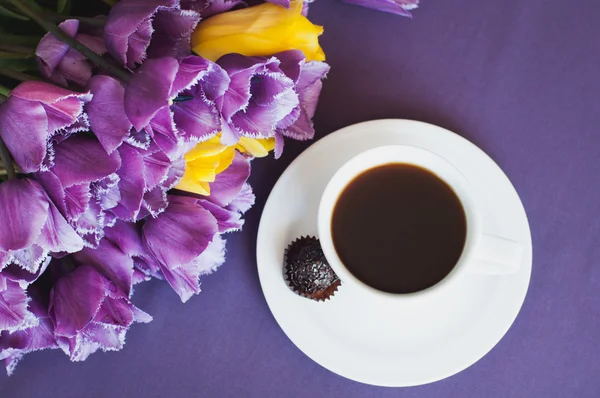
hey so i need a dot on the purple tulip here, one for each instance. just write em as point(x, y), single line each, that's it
point(34, 113)
point(89, 314)
point(84, 191)
point(146, 172)
point(178, 238)
point(14, 314)
point(140, 29)
point(270, 97)
point(32, 226)
point(128, 184)
point(128, 238)
point(184, 241)
point(39, 336)
point(180, 244)
point(62, 64)
point(152, 102)
point(307, 77)
point(399, 7)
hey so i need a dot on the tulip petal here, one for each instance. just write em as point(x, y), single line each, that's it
point(173, 30)
point(212, 258)
point(64, 108)
point(74, 68)
point(88, 316)
point(227, 220)
point(154, 202)
point(50, 51)
point(72, 201)
point(309, 87)
point(150, 90)
point(62, 64)
point(291, 63)
point(137, 44)
point(13, 306)
point(23, 211)
point(260, 121)
point(312, 73)
point(75, 299)
point(180, 234)
point(20, 119)
point(49, 94)
point(229, 183)
point(25, 277)
point(128, 29)
point(127, 237)
point(13, 346)
point(31, 258)
point(95, 336)
point(191, 70)
point(114, 312)
point(131, 183)
point(72, 161)
point(198, 118)
point(165, 133)
point(243, 201)
point(111, 262)
point(93, 41)
point(156, 167)
point(185, 279)
point(106, 112)
point(57, 235)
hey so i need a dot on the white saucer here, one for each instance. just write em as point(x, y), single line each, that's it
point(387, 343)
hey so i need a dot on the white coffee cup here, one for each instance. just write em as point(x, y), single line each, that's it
point(483, 253)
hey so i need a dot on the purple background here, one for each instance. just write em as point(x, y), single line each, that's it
point(521, 79)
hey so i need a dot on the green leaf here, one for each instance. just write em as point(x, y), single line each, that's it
point(23, 40)
point(63, 6)
point(19, 65)
point(11, 55)
point(34, 4)
point(11, 14)
point(4, 90)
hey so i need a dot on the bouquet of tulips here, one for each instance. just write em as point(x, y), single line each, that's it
point(126, 146)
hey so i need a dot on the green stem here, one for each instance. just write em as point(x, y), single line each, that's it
point(37, 16)
point(57, 18)
point(13, 74)
point(22, 40)
point(13, 55)
point(16, 48)
point(7, 160)
point(4, 91)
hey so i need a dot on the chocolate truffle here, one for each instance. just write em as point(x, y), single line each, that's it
point(307, 272)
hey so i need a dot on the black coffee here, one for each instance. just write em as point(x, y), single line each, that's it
point(399, 228)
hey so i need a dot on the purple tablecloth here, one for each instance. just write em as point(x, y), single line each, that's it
point(521, 79)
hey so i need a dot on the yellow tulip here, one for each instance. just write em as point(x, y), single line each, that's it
point(203, 163)
point(256, 147)
point(261, 30)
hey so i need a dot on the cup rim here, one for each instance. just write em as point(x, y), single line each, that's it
point(330, 197)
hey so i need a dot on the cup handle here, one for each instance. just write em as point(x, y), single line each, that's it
point(495, 255)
